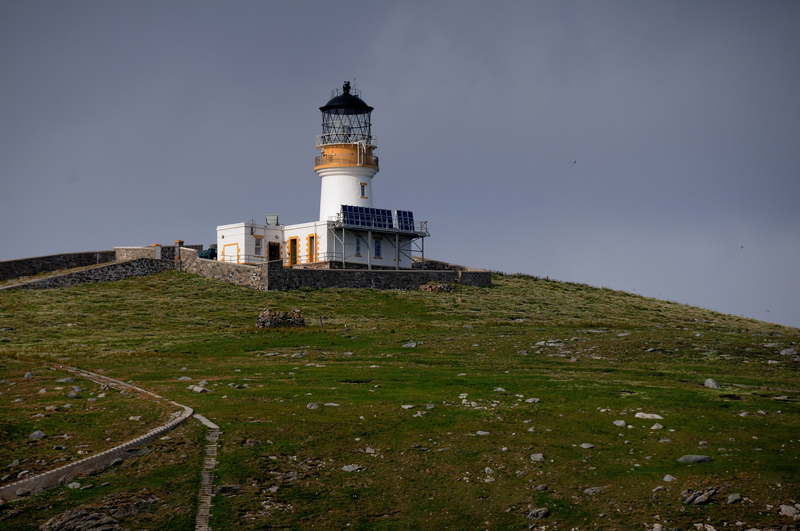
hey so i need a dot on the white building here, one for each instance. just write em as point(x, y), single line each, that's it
point(350, 231)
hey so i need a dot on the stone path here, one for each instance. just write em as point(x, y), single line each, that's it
point(207, 474)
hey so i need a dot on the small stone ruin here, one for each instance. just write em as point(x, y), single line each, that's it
point(269, 319)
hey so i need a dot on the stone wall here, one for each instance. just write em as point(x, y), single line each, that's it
point(53, 262)
point(254, 277)
point(167, 252)
point(96, 463)
point(104, 273)
point(125, 254)
point(274, 277)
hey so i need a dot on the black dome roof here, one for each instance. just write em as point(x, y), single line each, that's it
point(345, 100)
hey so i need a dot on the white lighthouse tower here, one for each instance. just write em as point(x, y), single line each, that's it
point(350, 233)
point(346, 164)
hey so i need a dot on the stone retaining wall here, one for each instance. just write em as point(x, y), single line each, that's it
point(167, 252)
point(274, 277)
point(54, 262)
point(254, 277)
point(96, 463)
point(106, 273)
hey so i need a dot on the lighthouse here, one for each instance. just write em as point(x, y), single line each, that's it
point(350, 232)
point(347, 162)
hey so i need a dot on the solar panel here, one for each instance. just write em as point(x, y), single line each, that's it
point(377, 218)
point(405, 220)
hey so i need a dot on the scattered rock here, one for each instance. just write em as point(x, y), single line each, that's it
point(540, 488)
point(531, 400)
point(135, 418)
point(199, 389)
point(656, 426)
point(252, 442)
point(788, 352)
point(620, 423)
point(669, 478)
point(694, 459)
point(467, 326)
point(35, 436)
point(648, 416)
point(331, 404)
point(352, 468)
point(73, 485)
point(72, 394)
point(80, 520)
point(12, 514)
point(203, 382)
point(788, 510)
point(734, 498)
point(429, 406)
point(410, 345)
point(499, 390)
point(185, 378)
point(482, 433)
point(593, 490)
point(537, 457)
point(269, 319)
point(29, 374)
point(698, 498)
point(711, 384)
point(407, 406)
point(76, 389)
point(68, 379)
point(587, 446)
point(537, 514)
point(312, 405)
point(42, 391)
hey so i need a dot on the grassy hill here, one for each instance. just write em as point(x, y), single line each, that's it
point(495, 375)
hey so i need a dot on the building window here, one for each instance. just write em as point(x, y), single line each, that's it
point(364, 190)
point(258, 246)
point(358, 246)
point(377, 248)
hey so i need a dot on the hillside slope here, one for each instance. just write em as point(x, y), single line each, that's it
point(506, 384)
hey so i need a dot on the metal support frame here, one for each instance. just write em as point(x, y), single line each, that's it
point(416, 243)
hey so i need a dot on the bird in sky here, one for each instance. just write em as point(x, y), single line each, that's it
point(576, 160)
point(742, 247)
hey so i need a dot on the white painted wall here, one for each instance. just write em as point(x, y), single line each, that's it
point(236, 243)
point(342, 186)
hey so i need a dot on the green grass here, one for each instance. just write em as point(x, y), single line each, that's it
point(606, 356)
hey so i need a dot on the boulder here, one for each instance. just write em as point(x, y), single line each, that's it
point(35, 436)
point(694, 459)
point(648, 416)
point(711, 384)
point(537, 514)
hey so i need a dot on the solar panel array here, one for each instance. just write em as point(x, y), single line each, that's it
point(377, 218)
point(372, 218)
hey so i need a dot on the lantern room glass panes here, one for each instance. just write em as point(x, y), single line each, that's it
point(345, 126)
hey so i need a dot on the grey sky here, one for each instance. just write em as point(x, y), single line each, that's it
point(130, 123)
